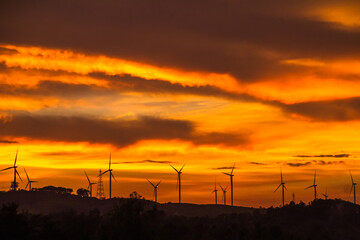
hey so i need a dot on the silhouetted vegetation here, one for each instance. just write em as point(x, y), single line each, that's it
point(137, 219)
point(60, 190)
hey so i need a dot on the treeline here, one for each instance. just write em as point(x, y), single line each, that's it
point(135, 219)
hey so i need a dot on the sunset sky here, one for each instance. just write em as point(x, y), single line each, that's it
point(202, 83)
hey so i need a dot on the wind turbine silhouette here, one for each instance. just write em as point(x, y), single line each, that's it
point(231, 184)
point(314, 186)
point(111, 175)
point(178, 184)
point(325, 194)
point(224, 193)
point(14, 184)
point(282, 185)
point(215, 191)
point(29, 181)
point(155, 189)
point(90, 184)
point(353, 184)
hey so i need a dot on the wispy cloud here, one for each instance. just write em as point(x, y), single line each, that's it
point(145, 161)
point(324, 156)
point(8, 141)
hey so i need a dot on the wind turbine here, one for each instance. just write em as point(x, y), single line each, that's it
point(14, 184)
point(224, 193)
point(215, 191)
point(282, 185)
point(325, 194)
point(111, 175)
point(29, 181)
point(353, 184)
point(90, 184)
point(178, 184)
point(231, 184)
point(155, 188)
point(314, 185)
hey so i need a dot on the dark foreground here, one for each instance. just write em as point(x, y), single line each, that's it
point(139, 219)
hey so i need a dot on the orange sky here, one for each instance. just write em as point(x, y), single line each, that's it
point(219, 97)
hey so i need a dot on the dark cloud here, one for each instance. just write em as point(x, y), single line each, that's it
point(333, 110)
point(257, 163)
point(247, 39)
point(324, 156)
point(330, 162)
point(118, 132)
point(8, 141)
point(130, 83)
point(55, 88)
point(145, 161)
point(298, 164)
point(223, 168)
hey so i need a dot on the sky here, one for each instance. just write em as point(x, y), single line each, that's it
point(202, 83)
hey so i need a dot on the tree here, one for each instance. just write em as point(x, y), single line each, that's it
point(135, 195)
point(82, 192)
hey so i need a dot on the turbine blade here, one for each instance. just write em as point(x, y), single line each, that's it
point(174, 168)
point(103, 173)
point(87, 177)
point(315, 177)
point(232, 170)
point(113, 176)
point(352, 180)
point(18, 174)
point(27, 185)
point(281, 175)
point(150, 183)
point(110, 161)
point(221, 187)
point(6, 168)
point(26, 175)
point(277, 187)
point(310, 187)
point(182, 168)
point(158, 184)
point(226, 173)
point(285, 187)
point(16, 157)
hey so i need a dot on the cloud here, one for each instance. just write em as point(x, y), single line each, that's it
point(330, 162)
point(223, 168)
point(324, 156)
point(8, 142)
point(55, 88)
point(245, 39)
point(145, 161)
point(118, 132)
point(257, 163)
point(127, 82)
point(298, 164)
point(332, 110)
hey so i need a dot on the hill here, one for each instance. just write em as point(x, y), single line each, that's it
point(57, 216)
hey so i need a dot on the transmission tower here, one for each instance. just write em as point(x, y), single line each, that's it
point(100, 187)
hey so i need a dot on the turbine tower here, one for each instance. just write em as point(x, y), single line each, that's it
point(215, 191)
point(155, 189)
point(29, 181)
point(314, 186)
point(282, 185)
point(14, 184)
point(224, 193)
point(231, 184)
point(178, 184)
point(353, 184)
point(325, 194)
point(89, 188)
point(111, 175)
